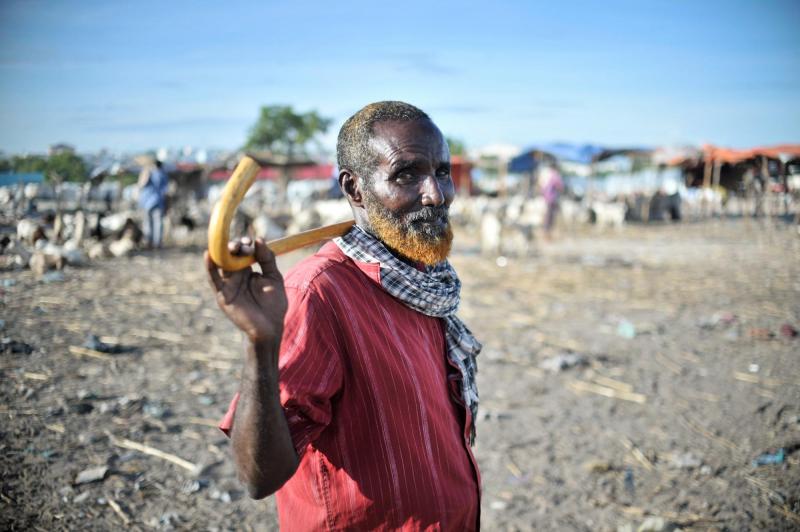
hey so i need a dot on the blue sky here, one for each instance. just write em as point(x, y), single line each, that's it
point(136, 75)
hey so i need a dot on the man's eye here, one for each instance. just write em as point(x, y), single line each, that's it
point(443, 172)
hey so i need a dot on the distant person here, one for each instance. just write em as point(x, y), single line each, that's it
point(552, 187)
point(153, 183)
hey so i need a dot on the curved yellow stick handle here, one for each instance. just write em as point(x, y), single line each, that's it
point(220, 224)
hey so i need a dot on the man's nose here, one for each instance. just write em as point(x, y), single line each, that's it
point(432, 192)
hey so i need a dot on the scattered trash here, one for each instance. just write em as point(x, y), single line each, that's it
point(716, 319)
point(497, 416)
point(629, 485)
point(86, 395)
point(770, 458)
point(93, 474)
point(82, 498)
point(655, 524)
point(193, 486)
point(498, 505)
point(732, 334)
point(760, 333)
point(94, 343)
point(169, 520)
point(8, 283)
point(156, 410)
point(48, 454)
point(626, 329)
point(501, 262)
point(222, 496)
point(788, 331)
point(55, 276)
point(205, 400)
point(753, 368)
point(598, 466)
point(14, 347)
point(685, 461)
point(562, 362)
point(81, 407)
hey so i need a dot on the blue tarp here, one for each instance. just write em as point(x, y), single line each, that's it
point(579, 153)
point(8, 179)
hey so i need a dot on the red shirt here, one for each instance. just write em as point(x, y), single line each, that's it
point(373, 407)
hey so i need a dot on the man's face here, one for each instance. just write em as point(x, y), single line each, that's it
point(408, 196)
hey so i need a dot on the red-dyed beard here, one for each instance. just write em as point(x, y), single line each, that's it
point(413, 235)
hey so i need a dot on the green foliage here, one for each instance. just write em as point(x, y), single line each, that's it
point(126, 178)
point(66, 166)
point(457, 146)
point(283, 131)
point(29, 163)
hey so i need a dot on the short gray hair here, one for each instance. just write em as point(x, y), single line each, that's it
point(352, 147)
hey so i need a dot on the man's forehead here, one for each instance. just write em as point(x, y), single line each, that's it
point(394, 137)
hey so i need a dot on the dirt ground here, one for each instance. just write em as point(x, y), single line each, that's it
point(681, 379)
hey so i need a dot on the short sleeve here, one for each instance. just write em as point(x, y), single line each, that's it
point(310, 369)
point(310, 366)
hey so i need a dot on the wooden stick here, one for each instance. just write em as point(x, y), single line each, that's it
point(202, 421)
point(637, 453)
point(118, 510)
point(152, 451)
point(309, 238)
point(582, 386)
point(76, 350)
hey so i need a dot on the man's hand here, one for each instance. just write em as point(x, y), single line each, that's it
point(254, 302)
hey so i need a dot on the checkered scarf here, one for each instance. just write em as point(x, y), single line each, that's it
point(433, 292)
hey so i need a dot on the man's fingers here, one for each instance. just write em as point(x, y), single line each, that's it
point(213, 273)
point(266, 259)
point(241, 248)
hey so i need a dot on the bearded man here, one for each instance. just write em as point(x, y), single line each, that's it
point(357, 405)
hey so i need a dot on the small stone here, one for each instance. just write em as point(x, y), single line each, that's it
point(653, 524)
point(684, 461)
point(54, 276)
point(498, 505)
point(93, 474)
point(562, 362)
point(80, 499)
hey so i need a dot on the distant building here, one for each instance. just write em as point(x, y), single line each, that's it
point(57, 149)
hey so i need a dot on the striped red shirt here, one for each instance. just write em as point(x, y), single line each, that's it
point(373, 407)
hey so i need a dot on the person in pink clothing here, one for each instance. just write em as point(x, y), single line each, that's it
point(552, 187)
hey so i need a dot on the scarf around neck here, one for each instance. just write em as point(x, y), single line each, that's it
point(435, 292)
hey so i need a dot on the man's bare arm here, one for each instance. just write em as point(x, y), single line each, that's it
point(256, 304)
point(262, 445)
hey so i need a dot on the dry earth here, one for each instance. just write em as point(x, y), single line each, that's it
point(683, 380)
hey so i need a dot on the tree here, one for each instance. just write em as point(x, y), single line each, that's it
point(285, 133)
point(282, 131)
point(66, 166)
point(59, 167)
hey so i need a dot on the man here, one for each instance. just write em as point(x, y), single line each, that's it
point(153, 183)
point(357, 407)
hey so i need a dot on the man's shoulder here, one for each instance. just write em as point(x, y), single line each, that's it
point(327, 265)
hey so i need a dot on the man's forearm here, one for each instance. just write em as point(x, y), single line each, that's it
point(262, 445)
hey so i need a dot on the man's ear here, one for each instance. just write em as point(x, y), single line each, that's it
point(351, 184)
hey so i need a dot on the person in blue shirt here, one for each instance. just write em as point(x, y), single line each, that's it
point(153, 183)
